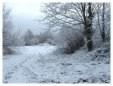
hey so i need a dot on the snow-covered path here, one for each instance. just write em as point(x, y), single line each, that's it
point(13, 68)
point(37, 64)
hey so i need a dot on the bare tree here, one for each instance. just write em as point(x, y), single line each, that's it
point(71, 15)
point(88, 23)
point(28, 37)
point(7, 26)
point(103, 18)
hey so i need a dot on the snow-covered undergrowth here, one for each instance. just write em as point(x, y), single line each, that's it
point(38, 64)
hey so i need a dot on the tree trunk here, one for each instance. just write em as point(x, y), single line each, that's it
point(88, 28)
point(88, 35)
point(103, 23)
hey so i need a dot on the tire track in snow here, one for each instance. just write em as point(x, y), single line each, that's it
point(14, 70)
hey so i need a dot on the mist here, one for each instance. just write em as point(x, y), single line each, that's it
point(26, 15)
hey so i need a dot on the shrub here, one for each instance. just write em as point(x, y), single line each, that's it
point(74, 44)
point(69, 40)
point(7, 50)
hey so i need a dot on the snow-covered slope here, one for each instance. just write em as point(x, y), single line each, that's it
point(38, 64)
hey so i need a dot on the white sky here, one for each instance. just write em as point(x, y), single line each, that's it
point(25, 7)
point(32, 7)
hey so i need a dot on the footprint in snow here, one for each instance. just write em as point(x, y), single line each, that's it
point(80, 72)
point(66, 64)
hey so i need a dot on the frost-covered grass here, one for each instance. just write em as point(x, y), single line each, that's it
point(38, 64)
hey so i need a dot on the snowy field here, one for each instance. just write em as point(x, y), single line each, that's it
point(40, 64)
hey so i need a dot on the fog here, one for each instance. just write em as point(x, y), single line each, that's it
point(25, 15)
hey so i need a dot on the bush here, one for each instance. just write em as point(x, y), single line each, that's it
point(27, 37)
point(45, 37)
point(69, 40)
point(7, 50)
point(74, 44)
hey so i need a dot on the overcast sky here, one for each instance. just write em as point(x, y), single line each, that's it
point(24, 13)
point(25, 7)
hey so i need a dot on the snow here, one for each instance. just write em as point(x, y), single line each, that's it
point(40, 64)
